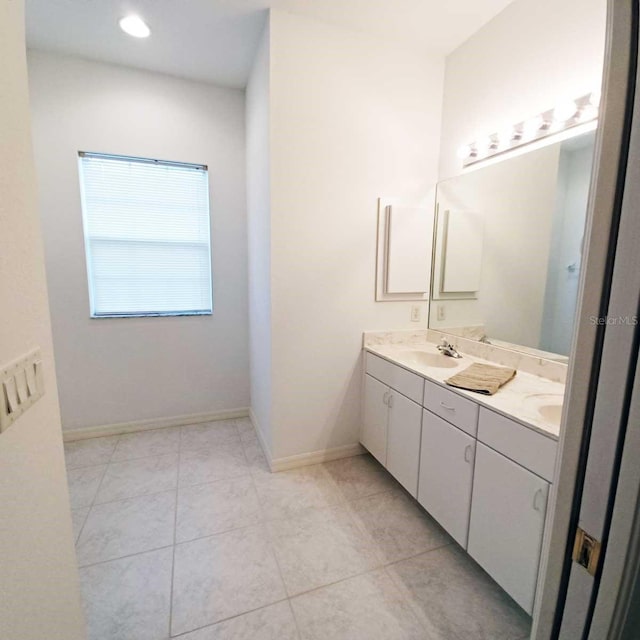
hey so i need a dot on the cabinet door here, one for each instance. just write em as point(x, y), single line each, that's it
point(446, 475)
point(403, 441)
point(374, 423)
point(508, 511)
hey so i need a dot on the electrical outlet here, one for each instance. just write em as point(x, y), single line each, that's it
point(441, 312)
point(415, 314)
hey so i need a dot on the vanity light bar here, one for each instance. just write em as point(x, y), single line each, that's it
point(562, 117)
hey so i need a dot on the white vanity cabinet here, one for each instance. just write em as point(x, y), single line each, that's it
point(392, 420)
point(508, 510)
point(483, 476)
point(446, 475)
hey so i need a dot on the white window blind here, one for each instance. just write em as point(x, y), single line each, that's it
point(147, 238)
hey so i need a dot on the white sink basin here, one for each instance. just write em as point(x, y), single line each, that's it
point(548, 406)
point(551, 412)
point(426, 359)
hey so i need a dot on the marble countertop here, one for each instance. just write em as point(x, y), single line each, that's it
point(519, 399)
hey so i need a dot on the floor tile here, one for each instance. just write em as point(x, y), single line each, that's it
point(360, 476)
point(246, 430)
point(156, 442)
point(89, 452)
point(128, 599)
point(457, 599)
point(256, 459)
point(78, 517)
point(366, 607)
point(274, 622)
point(287, 493)
point(122, 528)
point(398, 526)
point(208, 435)
point(83, 484)
point(222, 576)
point(138, 477)
point(320, 547)
point(211, 508)
point(227, 460)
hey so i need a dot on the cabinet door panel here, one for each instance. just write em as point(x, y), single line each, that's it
point(374, 423)
point(507, 520)
point(446, 475)
point(403, 441)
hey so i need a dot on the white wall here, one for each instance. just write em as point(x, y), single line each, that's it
point(259, 236)
point(39, 595)
point(352, 119)
point(531, 56)
point(118, 370)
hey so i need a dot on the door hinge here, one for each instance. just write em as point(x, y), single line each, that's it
point(586, 551)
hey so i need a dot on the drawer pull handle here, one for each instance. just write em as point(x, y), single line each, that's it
point(468, 452)
point(385, 397)
point(447, 407)
point(390, 402)
point(536, 495)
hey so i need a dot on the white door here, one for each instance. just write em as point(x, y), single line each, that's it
point(446, 475)
point(403, 441)
point(507, 520)
point(589, 594)
point(374, 423)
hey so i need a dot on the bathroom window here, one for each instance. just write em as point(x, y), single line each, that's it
point(147, 236)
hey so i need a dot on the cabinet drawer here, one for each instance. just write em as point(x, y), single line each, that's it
point(528, 448)
point(407, 383)
point(455, 409)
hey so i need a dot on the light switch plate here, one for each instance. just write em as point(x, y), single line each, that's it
point(22, 384)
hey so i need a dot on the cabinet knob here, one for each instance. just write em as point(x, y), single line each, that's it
point(468, 452)
point(447, 407)
point(385, 397)
point(390, 402)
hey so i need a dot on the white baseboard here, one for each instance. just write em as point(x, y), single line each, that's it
point(303, 459)
point(69, 435)
point(263, 443)
point(316, 457)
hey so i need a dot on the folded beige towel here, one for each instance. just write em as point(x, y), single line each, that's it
point(481, 378)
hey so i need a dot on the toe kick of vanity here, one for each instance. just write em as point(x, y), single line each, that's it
point(483, 476)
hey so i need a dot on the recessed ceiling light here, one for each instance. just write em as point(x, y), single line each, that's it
point(135, 26)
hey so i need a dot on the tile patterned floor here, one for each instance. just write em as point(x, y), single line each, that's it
point(184, 532)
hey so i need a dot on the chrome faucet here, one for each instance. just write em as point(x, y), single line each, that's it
point(447, 349)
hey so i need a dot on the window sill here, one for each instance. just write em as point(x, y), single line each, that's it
point(102, 316)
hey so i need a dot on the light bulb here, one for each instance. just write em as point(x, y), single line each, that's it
point(531, 127)
point(565, 111)
point(482, 144)
point(588, 112)
point(464, 152)
point(505, 138)
point(135, 26)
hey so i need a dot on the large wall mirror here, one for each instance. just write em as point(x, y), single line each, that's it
point(508, 249)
